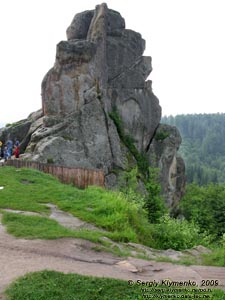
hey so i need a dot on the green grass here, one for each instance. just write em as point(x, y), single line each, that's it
point(28, 190)
point(33, 227)
point(51, 285)
point(216, 258)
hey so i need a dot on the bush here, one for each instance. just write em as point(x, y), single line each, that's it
point(177, 234)
point(161, 135)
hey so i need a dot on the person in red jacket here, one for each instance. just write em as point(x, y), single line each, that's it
point(17, 149)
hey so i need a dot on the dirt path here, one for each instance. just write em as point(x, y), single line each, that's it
point(68, 255)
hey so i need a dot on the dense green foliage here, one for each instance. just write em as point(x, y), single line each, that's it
point(166, 232)
point(203, 149)
point(154, 203)
point(177, 234)
point(205, 205)
point(148, 196)
point(203, 146)
point(51, 285)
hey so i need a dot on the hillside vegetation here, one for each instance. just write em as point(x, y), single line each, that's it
point(203, 146)
point(125, 216)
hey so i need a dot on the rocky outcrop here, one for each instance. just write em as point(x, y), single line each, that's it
point(102, 62)
point(163, 154)
point(22, 130)
point(99, 68)
point(97, 86)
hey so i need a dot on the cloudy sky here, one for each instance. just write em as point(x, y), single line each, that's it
point(184, 37)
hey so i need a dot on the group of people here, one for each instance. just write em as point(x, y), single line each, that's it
point(9, 148)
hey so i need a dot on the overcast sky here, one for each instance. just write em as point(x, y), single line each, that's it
point(186, 39)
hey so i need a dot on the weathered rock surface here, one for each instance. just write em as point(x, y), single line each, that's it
point(163, 154)
point(101, 69)
point(103, 60)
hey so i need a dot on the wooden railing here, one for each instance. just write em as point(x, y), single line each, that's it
point(79, 177)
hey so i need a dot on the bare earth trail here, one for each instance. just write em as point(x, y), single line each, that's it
point(69, 255)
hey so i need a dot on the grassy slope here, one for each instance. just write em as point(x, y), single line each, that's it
point(26, 189)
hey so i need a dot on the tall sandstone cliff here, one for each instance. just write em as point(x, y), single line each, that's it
point(100, 72)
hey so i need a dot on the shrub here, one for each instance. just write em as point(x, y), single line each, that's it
point(161, 135)
point(177, 234)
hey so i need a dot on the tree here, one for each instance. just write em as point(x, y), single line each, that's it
point(154, 202)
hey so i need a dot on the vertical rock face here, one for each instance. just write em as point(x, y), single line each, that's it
point(163, 154)
point(98, 71)
point(102, 61)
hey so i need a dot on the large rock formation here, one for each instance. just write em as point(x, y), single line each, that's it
point(99, 76)
point(99, 69)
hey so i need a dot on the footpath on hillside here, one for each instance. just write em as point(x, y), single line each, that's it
point(69, 255)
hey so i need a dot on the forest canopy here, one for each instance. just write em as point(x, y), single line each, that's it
point(203, 146)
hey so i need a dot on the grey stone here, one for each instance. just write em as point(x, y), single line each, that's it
point(82, 140)
point(123, 51)
point(80, 25)
point(114, 22)
point(163, 154)
point(140, 113)
point(78, 51)
point(34, 116)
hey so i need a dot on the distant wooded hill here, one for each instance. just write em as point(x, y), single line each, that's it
point(203, 146)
